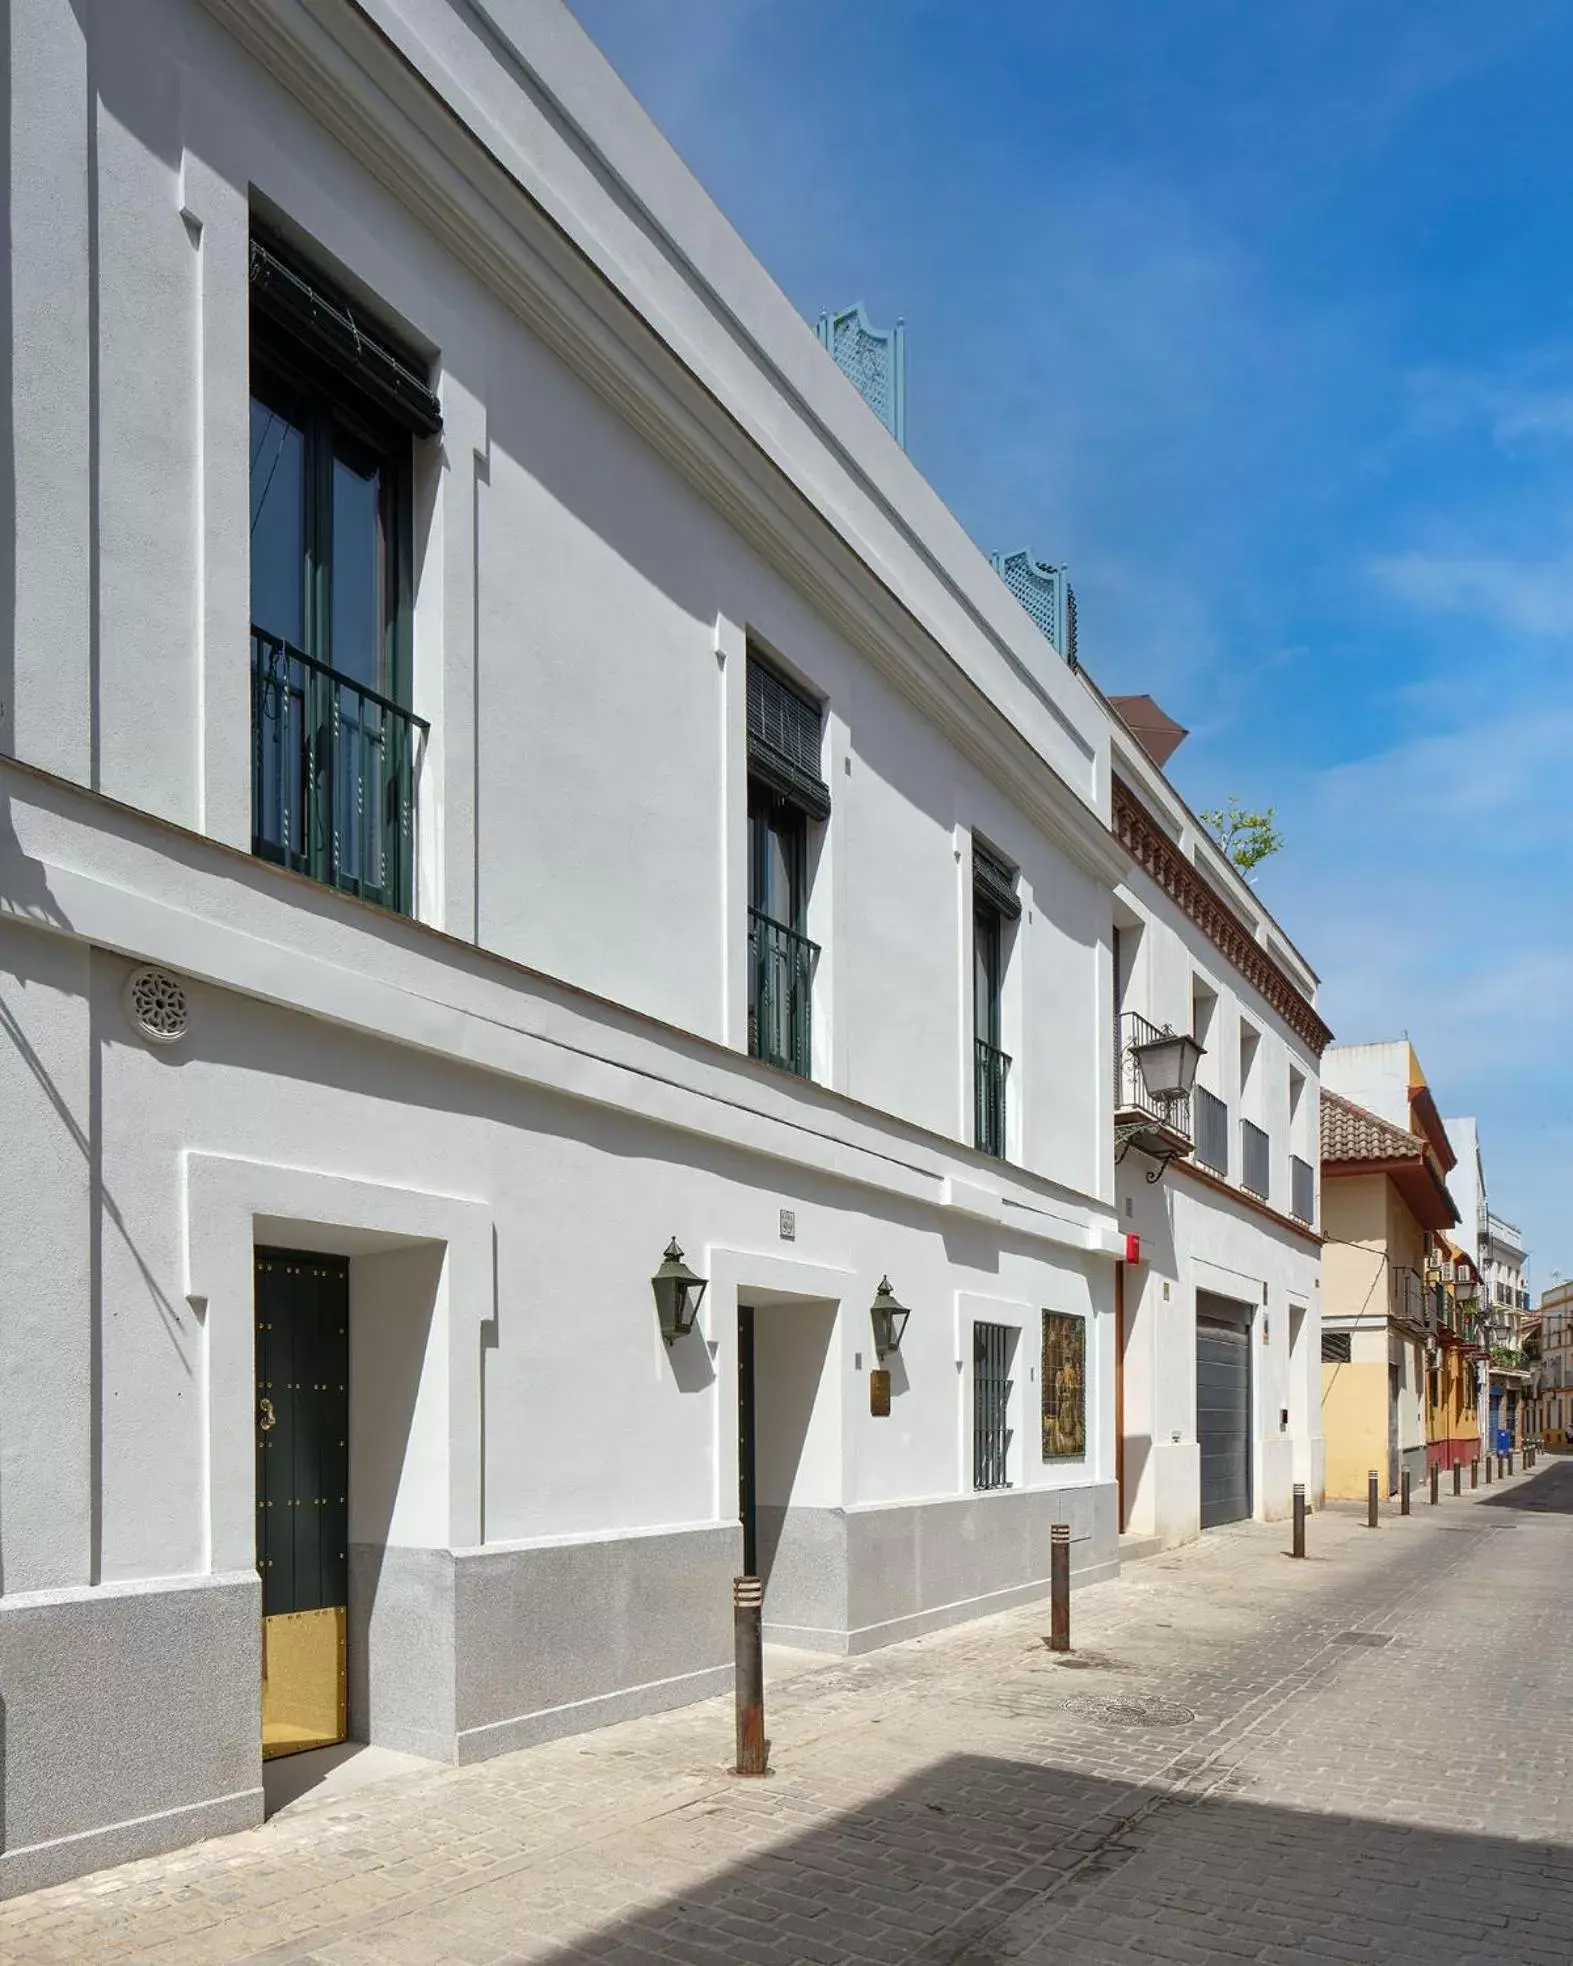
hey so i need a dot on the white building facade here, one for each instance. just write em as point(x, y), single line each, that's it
point(1218, 1401)
point(1505, 1296)
point(506, 767)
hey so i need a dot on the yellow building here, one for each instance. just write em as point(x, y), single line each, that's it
point(1453, 1359)
point(1384, 1194)
point(1556, 1365)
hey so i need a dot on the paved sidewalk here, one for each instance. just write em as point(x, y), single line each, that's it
point(1361, 1757)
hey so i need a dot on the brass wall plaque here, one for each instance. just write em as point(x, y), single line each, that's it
point(879, 1393)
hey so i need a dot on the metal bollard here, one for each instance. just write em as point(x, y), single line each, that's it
point(1510, 1460)
point(1489, 1459)
point(1299, 1519)
point(1370, 1500)
point(1458, 1477)
point(1403, 1493)
point(1060, 1587)
point(748, 1602)
point(1436, 1476)
point(1474, 1472)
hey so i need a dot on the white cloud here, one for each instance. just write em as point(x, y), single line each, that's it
point(1531, 597)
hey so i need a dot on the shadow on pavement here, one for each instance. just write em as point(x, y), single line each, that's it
point(1548, 1492)
point(982, 1860)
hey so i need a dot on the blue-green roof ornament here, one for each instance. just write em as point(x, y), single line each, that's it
point(874, 360)
point(1045, 593)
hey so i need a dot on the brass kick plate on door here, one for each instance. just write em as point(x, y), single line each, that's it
point(303, 1681)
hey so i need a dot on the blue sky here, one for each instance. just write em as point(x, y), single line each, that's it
point(1261, 319)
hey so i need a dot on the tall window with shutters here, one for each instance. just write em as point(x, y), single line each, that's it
point(995, 905)
point(787, 799)
point(336, 408)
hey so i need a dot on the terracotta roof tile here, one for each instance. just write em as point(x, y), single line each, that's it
point(1350, 1133)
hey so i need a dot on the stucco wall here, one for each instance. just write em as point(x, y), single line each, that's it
point(1354, 1425)
point(581, 606)
point(1196, 1237)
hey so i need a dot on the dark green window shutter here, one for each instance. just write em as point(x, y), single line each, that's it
point(326, 322)
point(993, 882)
point(784, 735)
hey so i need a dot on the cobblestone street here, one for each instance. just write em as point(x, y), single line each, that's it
point(1246, 1758)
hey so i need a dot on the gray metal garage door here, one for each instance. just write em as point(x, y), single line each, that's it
point(1223, 1414)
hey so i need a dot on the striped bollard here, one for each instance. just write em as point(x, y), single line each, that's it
point(1060, 1587)
point(748, 1641)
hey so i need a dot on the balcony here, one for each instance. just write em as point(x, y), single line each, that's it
point(1160, 1128)
point(334, 767)
point(1302, 1190)
point(1255, 1157)
point(1409, 1298)
point(780, 994)
point(990, 1069)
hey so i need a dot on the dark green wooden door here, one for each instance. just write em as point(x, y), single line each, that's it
point(302, 1316)
point(747, 1496)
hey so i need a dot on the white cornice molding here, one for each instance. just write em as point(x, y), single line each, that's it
point(340, 66)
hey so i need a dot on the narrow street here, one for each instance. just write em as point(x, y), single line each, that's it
point(1360, 1757)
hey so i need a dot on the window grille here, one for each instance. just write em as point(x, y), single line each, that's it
point(991, 1387)
point(784, 739)
point(1335, 1347)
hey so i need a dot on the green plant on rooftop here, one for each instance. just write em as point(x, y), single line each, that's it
point(1246, 837)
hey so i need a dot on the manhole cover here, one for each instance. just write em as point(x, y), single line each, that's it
point(1362, 1638)
point(1136, 1711)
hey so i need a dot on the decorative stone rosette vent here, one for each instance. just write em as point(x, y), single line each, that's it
point(157, 1005)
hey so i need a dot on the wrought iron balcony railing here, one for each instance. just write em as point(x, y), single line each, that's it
point(1131, 1097)
point(780, 994)
point(1302, 1189)
point(1409, 1297)
point(334, 766)
point(990, 1069)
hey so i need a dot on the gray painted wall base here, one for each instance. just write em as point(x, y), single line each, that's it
point(132, 1722)
point(848, 1581)
point(461, 1656)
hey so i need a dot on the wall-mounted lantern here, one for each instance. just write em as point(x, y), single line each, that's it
point(1168, 1066)
point(678, 1292)
point(890, 1319)
point(1167, 1063)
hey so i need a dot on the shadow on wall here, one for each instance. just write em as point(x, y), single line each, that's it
point(981, 1860)
point(792, 1353)
point(7, 396)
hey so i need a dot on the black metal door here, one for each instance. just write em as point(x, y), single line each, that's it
point(746, 1495)
point(302, 1315)
point(1223, 1417)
